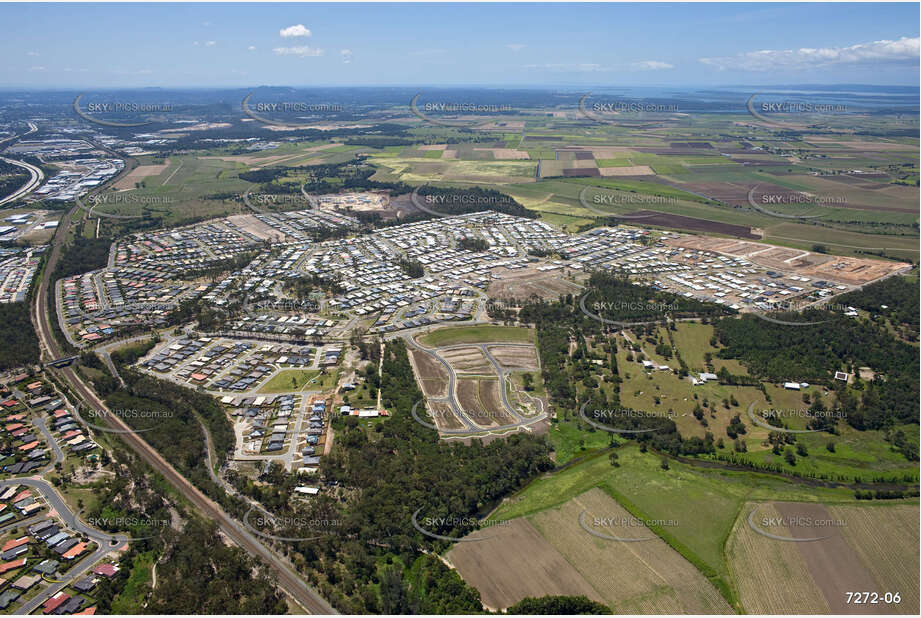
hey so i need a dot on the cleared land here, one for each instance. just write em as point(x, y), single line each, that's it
point(467, 360)
point(495, 567)
point(866, 548)
point(476, 334)
point(517, 357)
point(430, 373)
point(646, 576)
point(289, 380)
point(138, 174)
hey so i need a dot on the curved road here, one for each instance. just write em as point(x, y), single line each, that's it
point(106, 542)
point(289, 580)
point(474, 429)
point(36, 178)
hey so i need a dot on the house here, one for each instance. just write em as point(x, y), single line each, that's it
point(26, 581)
point(54, 602)
point(106, 570)
point(12, 565)
point(8, 597)
point(840, 375)
point(705, 377)
point(307, 491)
point(791, 386)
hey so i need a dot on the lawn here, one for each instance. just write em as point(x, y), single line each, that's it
point(289, 380)
point(477, 334)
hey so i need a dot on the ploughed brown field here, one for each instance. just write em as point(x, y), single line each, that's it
point(691, 223)
point(563, 557)
point(470, 404)
point(828, 552)
point(518, 357)
point(430, 373)
point(467, 359)
point(444, 416)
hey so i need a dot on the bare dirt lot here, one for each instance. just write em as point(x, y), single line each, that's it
point(528, 282)
point(850, 270)
point(467, 360)
point(515, 356)
point(870, 548)
point(563, 557)
point(444, 416)
point(692, 223)
point(631, 170)
point(495, 567)
point(470, 404)
point(138, 174)
point(430, 374)
point(254, 226)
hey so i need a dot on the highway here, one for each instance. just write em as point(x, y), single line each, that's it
point(288, 579)
point(36, 178)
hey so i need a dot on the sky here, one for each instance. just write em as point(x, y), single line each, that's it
point(512, 44)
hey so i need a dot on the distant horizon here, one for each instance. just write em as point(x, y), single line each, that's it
point(228, 45)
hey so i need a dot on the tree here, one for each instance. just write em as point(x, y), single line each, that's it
point(558, 605)
point(789, 457)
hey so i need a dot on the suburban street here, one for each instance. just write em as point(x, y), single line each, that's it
point(288, 578)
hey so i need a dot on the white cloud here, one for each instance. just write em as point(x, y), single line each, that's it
point(298, 30)
point(32, 53)
point(516, 47)
point(210, 43)
point(36, 68)
point(251, 48)
point(651, 65)
point(302, 51)
point(346, 56)
point(885, 51)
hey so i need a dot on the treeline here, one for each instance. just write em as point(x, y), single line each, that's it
point(813, 353)
point(385, 473)
point(355, 175)
point(82, 256)
point(20, 345)
point(898, 294)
